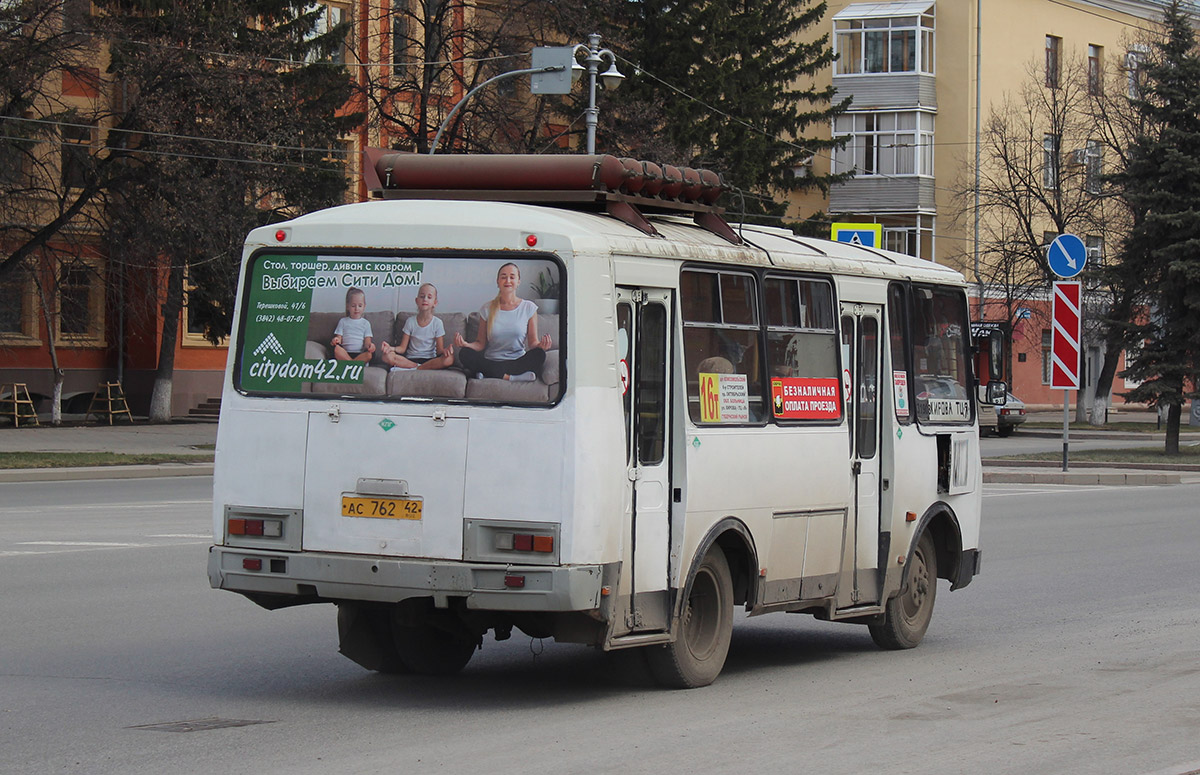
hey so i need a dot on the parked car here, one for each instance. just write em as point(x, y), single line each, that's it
point(1009, 416)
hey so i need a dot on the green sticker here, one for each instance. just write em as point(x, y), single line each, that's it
point(696, 442)
point(386, 424)
point(899, 432)
point(279, 308)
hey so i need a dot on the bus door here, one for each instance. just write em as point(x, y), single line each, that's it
point(644, 326)
point(860, 358)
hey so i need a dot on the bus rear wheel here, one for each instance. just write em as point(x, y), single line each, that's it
point(428, 649)
point(365, 636)
point(906, 616)
point(705, 629)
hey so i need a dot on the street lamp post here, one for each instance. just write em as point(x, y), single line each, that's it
point(593, 57)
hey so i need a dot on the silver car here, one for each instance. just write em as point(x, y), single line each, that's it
point(1009, 416)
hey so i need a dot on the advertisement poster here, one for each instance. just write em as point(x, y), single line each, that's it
point(337, 324)
point(805, 398)
point(724, 398)
point(900, 386)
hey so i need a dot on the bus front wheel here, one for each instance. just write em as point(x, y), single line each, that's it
point(906, 616)
point(705, 628)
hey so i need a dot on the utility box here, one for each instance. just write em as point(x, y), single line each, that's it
point(1194, 417)
point(553, 82)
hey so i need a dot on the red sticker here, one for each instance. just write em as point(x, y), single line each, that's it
point(805, 398)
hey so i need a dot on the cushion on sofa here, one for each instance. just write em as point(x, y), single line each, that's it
point(434, 383)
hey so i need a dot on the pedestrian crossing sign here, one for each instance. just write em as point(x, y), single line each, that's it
point(868, 235)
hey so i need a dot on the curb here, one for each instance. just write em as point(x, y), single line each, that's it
point(1081, 477)
point(104, 472)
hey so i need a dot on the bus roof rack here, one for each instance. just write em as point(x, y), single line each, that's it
point(624, 188)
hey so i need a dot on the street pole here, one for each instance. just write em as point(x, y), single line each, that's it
point(593, 68)
point(511, 74)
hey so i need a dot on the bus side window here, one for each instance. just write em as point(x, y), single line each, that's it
point(721, 337)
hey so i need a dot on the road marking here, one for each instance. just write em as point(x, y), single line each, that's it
point(97, 544)
point(180, 535)
point(98, 506)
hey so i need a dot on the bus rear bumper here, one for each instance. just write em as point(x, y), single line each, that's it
point(281, 579)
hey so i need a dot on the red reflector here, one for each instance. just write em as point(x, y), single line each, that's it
point(237, 527)
point(514, 582)
point(254, 527)
point(280, 235)
point(523, 542)
point(250, 564)
point(531, 240)
point(543, 543)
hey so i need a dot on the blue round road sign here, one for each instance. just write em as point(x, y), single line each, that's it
point(1067, 256)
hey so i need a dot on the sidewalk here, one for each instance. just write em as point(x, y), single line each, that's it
point(186, 436)
point(141, 437)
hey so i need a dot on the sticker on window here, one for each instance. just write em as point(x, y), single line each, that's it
point(900, 386)
point(805, 398)
point(724, 398)
point(949, 409)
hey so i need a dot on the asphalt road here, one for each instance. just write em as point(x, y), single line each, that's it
point(1074, 652)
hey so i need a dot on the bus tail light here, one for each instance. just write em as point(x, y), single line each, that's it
point(511, 541)
point(524, 542)
point(267, 528)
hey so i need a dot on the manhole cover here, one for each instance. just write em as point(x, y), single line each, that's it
point(199, 725)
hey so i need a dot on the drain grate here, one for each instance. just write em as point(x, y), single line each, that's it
point(199, 725)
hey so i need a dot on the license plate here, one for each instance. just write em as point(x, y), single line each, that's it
point(381, 508)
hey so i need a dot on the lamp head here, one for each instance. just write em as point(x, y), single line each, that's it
point(612, 77)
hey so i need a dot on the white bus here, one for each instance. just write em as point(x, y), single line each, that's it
point(712, 418)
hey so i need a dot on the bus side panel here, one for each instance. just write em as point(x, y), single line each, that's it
point(755, 474)
point(597, 532)
point(274, 440)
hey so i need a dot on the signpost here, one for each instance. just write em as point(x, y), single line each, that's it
point(1067, 256)
point(869, 235)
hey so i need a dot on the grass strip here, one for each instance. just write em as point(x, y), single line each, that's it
point(1123, 427)
point(1187, 455)
point(88, 459)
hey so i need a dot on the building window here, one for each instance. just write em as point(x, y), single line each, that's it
point(885, 143)
point(80, 319)
point(872, 44)
point(332, 16)
point(1045, 356)
point(76, 153)
point(911, 235)
point(1095, 71)
point(18, 311)
point(194, 329)
point(1135, 62)
point(1093, 166)
point(1095, 250)
point(1053, 58)
point(400, 48)
point(1050, 161)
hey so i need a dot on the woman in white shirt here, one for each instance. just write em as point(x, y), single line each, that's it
point(502, 347)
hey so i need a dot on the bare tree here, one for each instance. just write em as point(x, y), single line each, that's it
point(435, 52)
point(1041, 175)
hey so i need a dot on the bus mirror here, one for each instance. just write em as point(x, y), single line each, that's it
point(997, 393)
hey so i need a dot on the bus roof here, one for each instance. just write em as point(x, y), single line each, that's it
point(439, 224)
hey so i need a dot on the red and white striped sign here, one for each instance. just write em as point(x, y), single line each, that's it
point(1064, 341)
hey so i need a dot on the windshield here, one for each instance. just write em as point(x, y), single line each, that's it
point(940, 330)
point(397, 327)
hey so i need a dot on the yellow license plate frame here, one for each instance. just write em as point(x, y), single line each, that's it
point(380, 507)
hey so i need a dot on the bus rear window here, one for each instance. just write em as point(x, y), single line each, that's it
point(396, 327)
point(940, 365)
